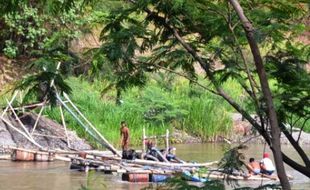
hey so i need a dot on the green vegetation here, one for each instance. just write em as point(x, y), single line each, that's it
point(153, 107)
point(142, 37)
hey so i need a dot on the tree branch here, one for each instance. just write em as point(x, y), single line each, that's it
point(188, 78)
point(275, 130)
point(302, 128)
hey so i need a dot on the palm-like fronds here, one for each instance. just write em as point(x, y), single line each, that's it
point(38, 87)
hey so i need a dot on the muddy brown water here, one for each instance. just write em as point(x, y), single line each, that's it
point(57, 176)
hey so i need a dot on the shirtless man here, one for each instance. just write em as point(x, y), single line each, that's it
point(124, 131)
point(253, 167)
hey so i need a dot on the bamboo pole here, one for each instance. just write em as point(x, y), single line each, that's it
point(21, 101)
point(31, 106)
point(170, 164)
point(143, 143)
point(167, 141)
point(111, 148)
point(57, 68)
point(37, 120)
point(234, 177)
point(93, 128)
point(11, 101)
point(77, 118)
point(19, 121)
point(62, 158)
point(154, 137)
point(21, 132)
point(43, 106)
point(64, 124)
point(51, 136)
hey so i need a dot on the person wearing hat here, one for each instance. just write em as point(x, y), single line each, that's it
point(266, 165)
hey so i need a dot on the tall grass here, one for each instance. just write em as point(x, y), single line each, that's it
point(160, 105)
point(105, 115)
point(154, 107)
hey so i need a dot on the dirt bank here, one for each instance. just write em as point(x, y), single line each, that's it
point(48, 134)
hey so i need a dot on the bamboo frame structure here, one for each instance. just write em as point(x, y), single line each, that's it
point(88, 126)
point(11, 101)
point(19, 121)
point(37, 120)
point(21, 132)
point(64, 125)
point(166, 137)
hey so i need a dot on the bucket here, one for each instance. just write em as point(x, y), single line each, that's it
point(135, 177)
point(20, 155)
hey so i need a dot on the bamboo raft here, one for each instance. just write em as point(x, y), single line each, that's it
point(137, 170)
point(242, 177)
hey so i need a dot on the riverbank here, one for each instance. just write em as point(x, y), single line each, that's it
point(51, 135)
point(244, 132)
point(48, 134)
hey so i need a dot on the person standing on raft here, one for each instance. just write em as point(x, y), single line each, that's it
point(124, 132)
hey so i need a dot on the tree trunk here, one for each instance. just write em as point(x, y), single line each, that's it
point(275, 130)
point(302, 169)
point(118, 96)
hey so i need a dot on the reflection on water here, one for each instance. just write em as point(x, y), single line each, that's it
point(56, 175)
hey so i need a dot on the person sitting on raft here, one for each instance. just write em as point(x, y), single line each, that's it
point(171, 156)
point(152, 151)
point(253, 167)
point(266, 165)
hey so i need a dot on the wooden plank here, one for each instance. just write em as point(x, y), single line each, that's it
point(234, 177)
point(62, 158)
point(154, 163)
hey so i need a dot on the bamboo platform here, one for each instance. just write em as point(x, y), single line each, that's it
point(137, 170)
point(260, 177)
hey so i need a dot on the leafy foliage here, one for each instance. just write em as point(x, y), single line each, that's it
point(179, 184)
point(292, 89)
point(148, 35)
point(232, 160)
point(38, 86)
point(23, 31)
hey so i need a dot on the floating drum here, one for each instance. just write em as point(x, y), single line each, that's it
point(44, 157)
point(135, 177)
point(157, 178)
point(20, 155)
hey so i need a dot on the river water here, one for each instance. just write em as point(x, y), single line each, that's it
point(57, 176)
